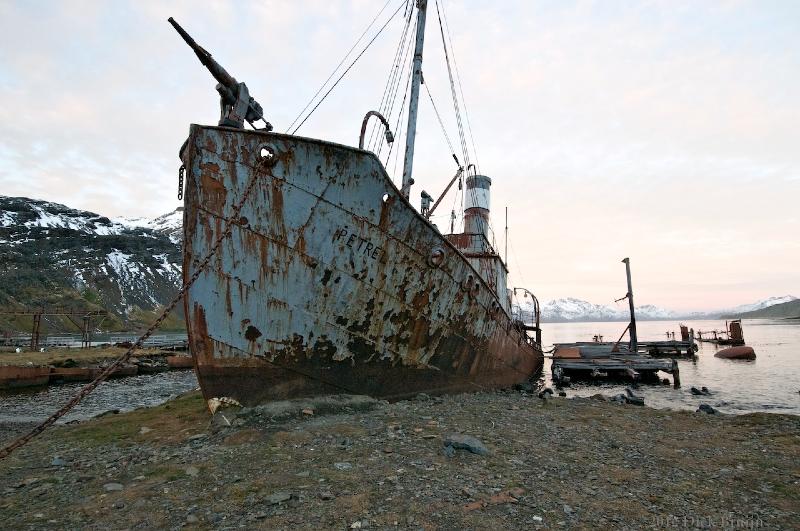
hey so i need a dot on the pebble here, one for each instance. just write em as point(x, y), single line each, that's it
point(433, 488)
point(279, 497)
point(113, 487)
point(192, 471)
point(705, 408)
point(57, 461)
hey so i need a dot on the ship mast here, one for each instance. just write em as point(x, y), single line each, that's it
point(412, 107)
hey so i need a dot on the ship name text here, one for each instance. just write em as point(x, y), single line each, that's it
point(357, 243)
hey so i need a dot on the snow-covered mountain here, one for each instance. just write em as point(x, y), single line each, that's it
point(759, 305)
point(56, 255)
point(170, 224)
point(571, 309)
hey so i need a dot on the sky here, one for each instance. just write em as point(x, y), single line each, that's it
point(665, 131)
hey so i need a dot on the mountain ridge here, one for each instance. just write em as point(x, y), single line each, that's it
point(54, 255)
point(570, 309)
point(57, 255)
point(784, 310)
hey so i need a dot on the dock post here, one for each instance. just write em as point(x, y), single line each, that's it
point(632, 326)
point(37, 322)
point(676, 374)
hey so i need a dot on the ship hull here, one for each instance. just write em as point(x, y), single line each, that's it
point(329, 282)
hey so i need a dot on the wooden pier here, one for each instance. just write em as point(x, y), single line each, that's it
point(653, 348)
point(599, 361)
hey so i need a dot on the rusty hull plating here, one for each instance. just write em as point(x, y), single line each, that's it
point(330, 281)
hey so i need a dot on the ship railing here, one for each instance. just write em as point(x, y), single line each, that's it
point(528, 317)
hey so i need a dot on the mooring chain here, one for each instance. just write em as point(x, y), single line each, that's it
point(181, 172)
point(5, 452)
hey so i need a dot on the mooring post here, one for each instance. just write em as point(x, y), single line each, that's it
point(85, 332)
point(676, 374)
point(634, 339)
point(37, 322)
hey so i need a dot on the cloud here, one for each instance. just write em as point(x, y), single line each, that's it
point(661, 130)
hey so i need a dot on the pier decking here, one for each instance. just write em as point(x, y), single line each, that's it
point(596, 360)
point(653, 348)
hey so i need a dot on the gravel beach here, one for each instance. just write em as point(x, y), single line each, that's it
point(505, 460)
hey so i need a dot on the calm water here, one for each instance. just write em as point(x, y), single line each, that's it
point(770, 383)
point(124, 394)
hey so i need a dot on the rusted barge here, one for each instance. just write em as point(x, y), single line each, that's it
point(13, 377)
point(732, 335)
point(326, 279)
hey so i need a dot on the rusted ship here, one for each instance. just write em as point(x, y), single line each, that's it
point(326, 279)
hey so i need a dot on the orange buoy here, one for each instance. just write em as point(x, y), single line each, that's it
point(737, 353)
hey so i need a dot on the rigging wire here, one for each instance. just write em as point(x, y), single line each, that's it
point(454, 94)
point(461, 89)
point(438, 117)
point(338, 66)
point(453, 89)
point(407, 62)
point(399, 119)
point(349, 67)
point(393, 72)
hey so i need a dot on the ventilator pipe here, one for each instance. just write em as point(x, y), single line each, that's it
point(389, 135)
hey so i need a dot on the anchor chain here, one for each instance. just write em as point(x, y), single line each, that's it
point(232, 220)
point(181, 173)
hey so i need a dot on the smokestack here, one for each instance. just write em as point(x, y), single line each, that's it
point(476, 205)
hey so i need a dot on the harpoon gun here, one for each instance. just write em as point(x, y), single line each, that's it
point(236, 105)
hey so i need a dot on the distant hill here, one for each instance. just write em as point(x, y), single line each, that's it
point(755, 306)
point(783, 310)
point(53, 255)
point(571, 309)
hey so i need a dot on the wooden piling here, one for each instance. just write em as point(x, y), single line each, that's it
point(676, 375)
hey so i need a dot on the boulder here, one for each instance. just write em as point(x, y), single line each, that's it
point(460, 441)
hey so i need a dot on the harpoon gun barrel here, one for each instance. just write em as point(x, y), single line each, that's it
point(236, 103)
point(219, 73)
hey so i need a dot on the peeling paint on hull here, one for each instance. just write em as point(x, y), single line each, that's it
point(326, 282)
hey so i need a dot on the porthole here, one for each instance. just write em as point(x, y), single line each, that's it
point(267, 154)
point(436, 258)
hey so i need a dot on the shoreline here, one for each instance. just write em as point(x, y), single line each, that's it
point(342, 462)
